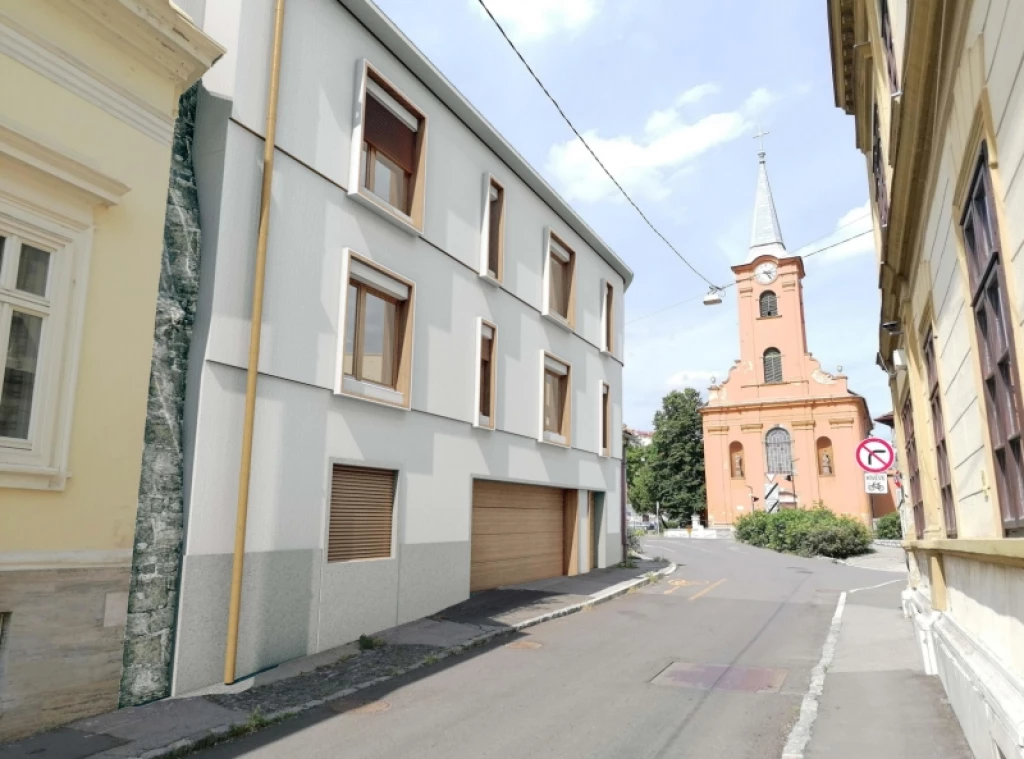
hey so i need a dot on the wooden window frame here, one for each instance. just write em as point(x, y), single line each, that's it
point(820, 451)
point(913, 467)
point(410, 220)
point(764, 366)
point(563, 436)
point(772, 309)
point(352, 385)
point(939, 434)
point(492, 234)
point(569, 320)
point(604, 443)
point(990, 302)
point(482, 420)
point(332, 539)
point(607, 317)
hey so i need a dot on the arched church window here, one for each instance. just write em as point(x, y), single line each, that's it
point(826, 458)
point(779, 456)
point(772, 366)
point(736, 463)
point(769, 304)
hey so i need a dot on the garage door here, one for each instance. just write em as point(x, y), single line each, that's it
point(518, 534)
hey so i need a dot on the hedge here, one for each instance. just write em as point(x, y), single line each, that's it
point(817, 532)
point(889, 527)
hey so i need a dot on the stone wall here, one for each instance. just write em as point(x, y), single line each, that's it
point(152, 605)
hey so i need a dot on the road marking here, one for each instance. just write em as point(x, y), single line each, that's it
point(881, 584)
point(706, 590)
point(801, 732)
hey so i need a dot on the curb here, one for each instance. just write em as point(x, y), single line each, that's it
point(224, 732)
point(890, 543)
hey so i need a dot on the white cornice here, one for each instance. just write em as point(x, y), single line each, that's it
point(47, 59)
point(58, 166)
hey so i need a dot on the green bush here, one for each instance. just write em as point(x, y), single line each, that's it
point(889, 527)
point(817, 532)
point(633, 541)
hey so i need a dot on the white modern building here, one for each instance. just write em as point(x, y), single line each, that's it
point(441, 353)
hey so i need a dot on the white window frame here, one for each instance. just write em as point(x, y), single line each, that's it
point(362, 269)
point(412, 222)
point(485, 233)
point(549, 360)
point(552, 239)
point(479, 420)
point(47, 200)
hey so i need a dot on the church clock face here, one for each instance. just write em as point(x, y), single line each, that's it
point(766, 273)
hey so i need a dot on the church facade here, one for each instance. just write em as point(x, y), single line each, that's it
point(779, 432)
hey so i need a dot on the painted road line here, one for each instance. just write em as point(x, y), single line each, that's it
point(706, 590)
point(881, 584)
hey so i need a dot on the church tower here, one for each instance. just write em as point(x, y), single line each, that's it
point(779, 432)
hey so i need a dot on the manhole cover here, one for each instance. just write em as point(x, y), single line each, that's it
point(719, 677)
point(351, 706)
point(524, 645)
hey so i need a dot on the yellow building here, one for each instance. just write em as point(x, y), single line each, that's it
point(88, 97)
point(937, 92)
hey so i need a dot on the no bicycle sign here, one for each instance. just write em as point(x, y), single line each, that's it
point(875, 455)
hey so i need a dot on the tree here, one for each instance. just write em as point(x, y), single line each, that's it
point(639, 483)
point(676, 456)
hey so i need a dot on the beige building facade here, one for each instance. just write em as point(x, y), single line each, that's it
point(88, 97)
point(937, 93)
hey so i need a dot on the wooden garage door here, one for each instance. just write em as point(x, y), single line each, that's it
point(518, 534)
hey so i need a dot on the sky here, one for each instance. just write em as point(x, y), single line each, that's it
point(670, 94)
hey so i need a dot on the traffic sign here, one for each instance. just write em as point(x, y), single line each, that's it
point(875, 455)
point(876, 483)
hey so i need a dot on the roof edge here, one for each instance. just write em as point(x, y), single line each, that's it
point(377, 22)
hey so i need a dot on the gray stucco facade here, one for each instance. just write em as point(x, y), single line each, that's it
point(294, 602)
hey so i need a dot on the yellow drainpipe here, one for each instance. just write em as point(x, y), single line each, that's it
point(255, 329)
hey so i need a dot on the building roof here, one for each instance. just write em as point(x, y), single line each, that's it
point(766, 234)
point(402, 47)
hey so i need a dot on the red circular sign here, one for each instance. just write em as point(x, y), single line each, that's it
point(875, 455)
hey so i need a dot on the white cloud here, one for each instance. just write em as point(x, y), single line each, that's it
point(699, 379)
point(697, 93)
point(644, 166)
point(852, 237)
point(534, 20)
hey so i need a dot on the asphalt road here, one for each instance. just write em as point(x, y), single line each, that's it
point(745, 627)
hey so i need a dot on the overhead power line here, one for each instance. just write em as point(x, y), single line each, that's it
point(745, 279)
point(600, 163)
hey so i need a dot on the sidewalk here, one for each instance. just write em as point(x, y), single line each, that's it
point(172, 727)
point(877, 701)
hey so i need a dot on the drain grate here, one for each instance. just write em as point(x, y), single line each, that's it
point(719, 677)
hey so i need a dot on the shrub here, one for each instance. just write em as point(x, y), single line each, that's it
point(369, 642)
point(889, 527)
point(633, 541)
point(817, 532)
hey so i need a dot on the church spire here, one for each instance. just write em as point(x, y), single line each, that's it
point(766, 235)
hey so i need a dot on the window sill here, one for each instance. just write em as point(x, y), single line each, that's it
point(382, 209)
point(484, 423)
point(608, 353)
point(490, 280)
point(553, 438)
point(776, 316)
point(367, 391)
point(556, 319)
point(343, 562)
point(32, 478)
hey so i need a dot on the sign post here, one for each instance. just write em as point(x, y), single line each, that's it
point(875, 455)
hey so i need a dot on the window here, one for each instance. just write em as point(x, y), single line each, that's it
point(913, 470)
point(779, 457)
point(493, 247)
point(377, 329)
point(391, 138)
point(556, 411)
point(561, 286)
point(487, 375)
point(826, 458)
point(772, 366)
point(998, 358)
point(769, 304)
point(362, 513)
point(887, 43)
point(608, 317)
point(736, 463)
point(939, 433)
point(606, 419)
point(878, 170)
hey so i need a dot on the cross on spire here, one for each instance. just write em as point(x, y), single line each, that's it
point(761, 134)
